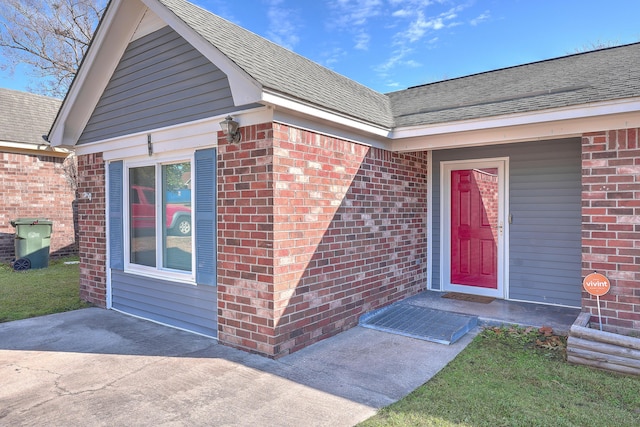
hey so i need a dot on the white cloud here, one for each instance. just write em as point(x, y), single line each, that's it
point(362, 40)
point(414, 4)
point(349, 13)
point(397, 28)
point(397, 58)
point(449, 15)
point(353, 16)
point(418, 28)
point(421, 25)
point(332, 56)
point(282, 25)
point(437, 24)
point(402, 13)
point(480, 19)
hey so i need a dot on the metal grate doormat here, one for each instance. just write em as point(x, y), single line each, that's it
point(420, 322)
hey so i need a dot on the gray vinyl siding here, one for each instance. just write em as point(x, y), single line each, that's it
point(545, 202)
point(181, 305)
point(161, 80)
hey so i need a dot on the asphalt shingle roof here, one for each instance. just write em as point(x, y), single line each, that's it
point(573, 80)
point(25, 117)
point(603, 75)
point(284, 71)
point(611, 74)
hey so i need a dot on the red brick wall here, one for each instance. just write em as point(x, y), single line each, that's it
point(611, 224)
point(313, 232)
point(350, 237)
point(35, 186)
point(245, 240)
point(92, 227)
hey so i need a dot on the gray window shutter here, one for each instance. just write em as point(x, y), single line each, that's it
point(116, 208)
point(205, 216)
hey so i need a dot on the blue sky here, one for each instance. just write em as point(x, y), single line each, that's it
point(390, 45)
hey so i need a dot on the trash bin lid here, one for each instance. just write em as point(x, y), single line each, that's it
point(31, 221)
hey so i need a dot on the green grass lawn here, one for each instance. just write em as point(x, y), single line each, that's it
point(38, 292)
point(516, 377)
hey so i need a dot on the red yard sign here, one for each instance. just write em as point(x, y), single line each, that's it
point(596, 284)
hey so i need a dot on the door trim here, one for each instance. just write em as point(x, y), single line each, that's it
point(502, 164)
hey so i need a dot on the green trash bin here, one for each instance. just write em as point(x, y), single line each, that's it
point(32, 241)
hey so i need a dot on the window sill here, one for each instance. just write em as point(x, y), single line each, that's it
point(164, 275)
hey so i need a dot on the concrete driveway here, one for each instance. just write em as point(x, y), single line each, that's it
point(96, 367)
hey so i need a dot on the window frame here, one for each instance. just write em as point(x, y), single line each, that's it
point(158, 271)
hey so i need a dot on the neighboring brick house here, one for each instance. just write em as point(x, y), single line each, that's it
point(339, 200)
point(33, 175)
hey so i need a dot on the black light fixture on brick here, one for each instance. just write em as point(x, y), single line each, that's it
point(230, 129)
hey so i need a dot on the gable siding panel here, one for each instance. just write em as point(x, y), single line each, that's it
point(152, 118)
point(175, 85)
point(160, 81)
point(132, 86)
point(545, 201)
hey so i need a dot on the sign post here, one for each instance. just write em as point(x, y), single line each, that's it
point(596, 284)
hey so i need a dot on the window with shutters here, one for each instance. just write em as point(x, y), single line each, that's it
point(158, 217)
point(162, 217)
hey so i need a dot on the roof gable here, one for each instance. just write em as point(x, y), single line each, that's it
point(160, 81)
point(284, 71)
point(254, 66)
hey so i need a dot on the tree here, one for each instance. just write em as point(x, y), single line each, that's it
point(596, 46)
point(48, 37)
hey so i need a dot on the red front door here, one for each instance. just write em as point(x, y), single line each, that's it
point(474, 227)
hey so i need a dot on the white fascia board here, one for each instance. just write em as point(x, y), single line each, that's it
point(244, 88)
point(327, 128)
point(185, 136)
point(149, 23)
point(278, 100)
point(39, 149)
point(113, 35)
point(550, 124)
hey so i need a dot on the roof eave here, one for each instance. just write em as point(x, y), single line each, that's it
point(28, 148)
point(537, 125)
point(279, 100)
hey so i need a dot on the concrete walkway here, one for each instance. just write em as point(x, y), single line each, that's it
point(96, 367)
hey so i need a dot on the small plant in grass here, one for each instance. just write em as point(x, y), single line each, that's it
point(542, 339)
